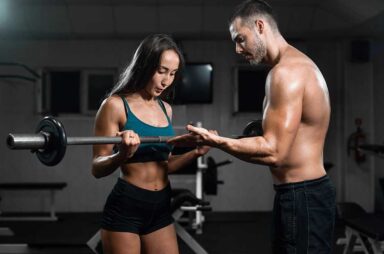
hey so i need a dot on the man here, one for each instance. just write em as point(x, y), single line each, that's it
point(295, 121)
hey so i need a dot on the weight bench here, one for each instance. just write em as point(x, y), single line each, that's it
point(51, 187)
point(185, 201)
point(363, 231)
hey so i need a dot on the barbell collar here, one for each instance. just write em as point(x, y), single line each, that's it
point(27, 141)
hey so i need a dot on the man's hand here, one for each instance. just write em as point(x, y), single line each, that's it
point(196, 137)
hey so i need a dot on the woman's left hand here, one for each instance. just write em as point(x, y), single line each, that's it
point(204, 149)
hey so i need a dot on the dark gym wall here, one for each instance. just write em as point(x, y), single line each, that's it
point(18, 110)
point(355, 90)
point(377, 136)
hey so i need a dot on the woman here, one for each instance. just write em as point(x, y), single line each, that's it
point(137, 215)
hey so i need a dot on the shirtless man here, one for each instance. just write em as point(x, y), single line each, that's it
point(295, 121)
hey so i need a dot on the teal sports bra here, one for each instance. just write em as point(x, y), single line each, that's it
point(148, 151)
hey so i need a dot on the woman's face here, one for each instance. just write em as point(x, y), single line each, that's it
point(165, 73)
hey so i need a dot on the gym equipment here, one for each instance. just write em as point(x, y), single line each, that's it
point(253, 128)
point(51, 187)
point(33, 75)
point(185, 201)
point(373, 149)
point(210, 180)
point(50, 140)
point(363, 231)
point(355, 140)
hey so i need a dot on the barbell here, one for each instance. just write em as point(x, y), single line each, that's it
point(50, 140)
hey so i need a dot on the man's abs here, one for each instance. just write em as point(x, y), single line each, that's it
point(294, 175)
point(304, 160)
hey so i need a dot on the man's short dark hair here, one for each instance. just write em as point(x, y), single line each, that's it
point(254, 8)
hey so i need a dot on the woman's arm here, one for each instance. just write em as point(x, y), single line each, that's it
point(107, 123)
point(176, 162)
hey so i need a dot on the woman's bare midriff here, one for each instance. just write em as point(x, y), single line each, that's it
point(151, 175)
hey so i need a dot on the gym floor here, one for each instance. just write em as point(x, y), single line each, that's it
point(224, 232)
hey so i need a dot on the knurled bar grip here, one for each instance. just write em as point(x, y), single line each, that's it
point(40, 140)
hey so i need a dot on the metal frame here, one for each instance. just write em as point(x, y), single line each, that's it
point(6, 232)
point(51, 217)
point(33, 78)
point(201, 166)
point(183, 234)
point(354, 242)
point(19, 248)
point(52, 188)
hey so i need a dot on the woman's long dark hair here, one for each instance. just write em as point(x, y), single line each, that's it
point(145, 63)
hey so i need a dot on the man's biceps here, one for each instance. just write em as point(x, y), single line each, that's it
point(271, 138)
point(280, 132)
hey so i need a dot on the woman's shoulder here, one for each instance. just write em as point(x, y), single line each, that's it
point(168, 108)
point(111, 111)
point(112, 104)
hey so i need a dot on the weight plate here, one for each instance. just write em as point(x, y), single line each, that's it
point(253, 128)
point(56, 144)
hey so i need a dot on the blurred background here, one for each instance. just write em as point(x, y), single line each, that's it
point(60, 57)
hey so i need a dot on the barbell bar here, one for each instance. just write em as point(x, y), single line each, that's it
point(39, 140)
point(50, 140)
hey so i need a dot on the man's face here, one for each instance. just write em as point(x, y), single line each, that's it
point(248, 42)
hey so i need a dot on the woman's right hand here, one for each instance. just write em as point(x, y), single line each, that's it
point(130, 142)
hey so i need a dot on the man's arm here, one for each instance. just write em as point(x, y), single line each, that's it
point(281, 120)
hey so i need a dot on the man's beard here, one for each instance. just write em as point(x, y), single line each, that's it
point(259, 51)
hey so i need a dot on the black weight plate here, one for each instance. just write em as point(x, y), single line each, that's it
point(253, 128)
point(56, 145)
point(210, 178)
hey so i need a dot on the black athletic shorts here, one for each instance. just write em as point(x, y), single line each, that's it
point(304, 217)
point(132, 209)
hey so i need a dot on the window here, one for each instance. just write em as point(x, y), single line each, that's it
point(98, 84)
point(74, 91)
point(195, 86)
point(249, 88)
point(64, 93)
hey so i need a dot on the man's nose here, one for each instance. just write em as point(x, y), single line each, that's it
point(238, 49)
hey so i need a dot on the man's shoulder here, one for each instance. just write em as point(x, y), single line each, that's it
point(290, 75)
point(285, 71)
point(294, 67)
